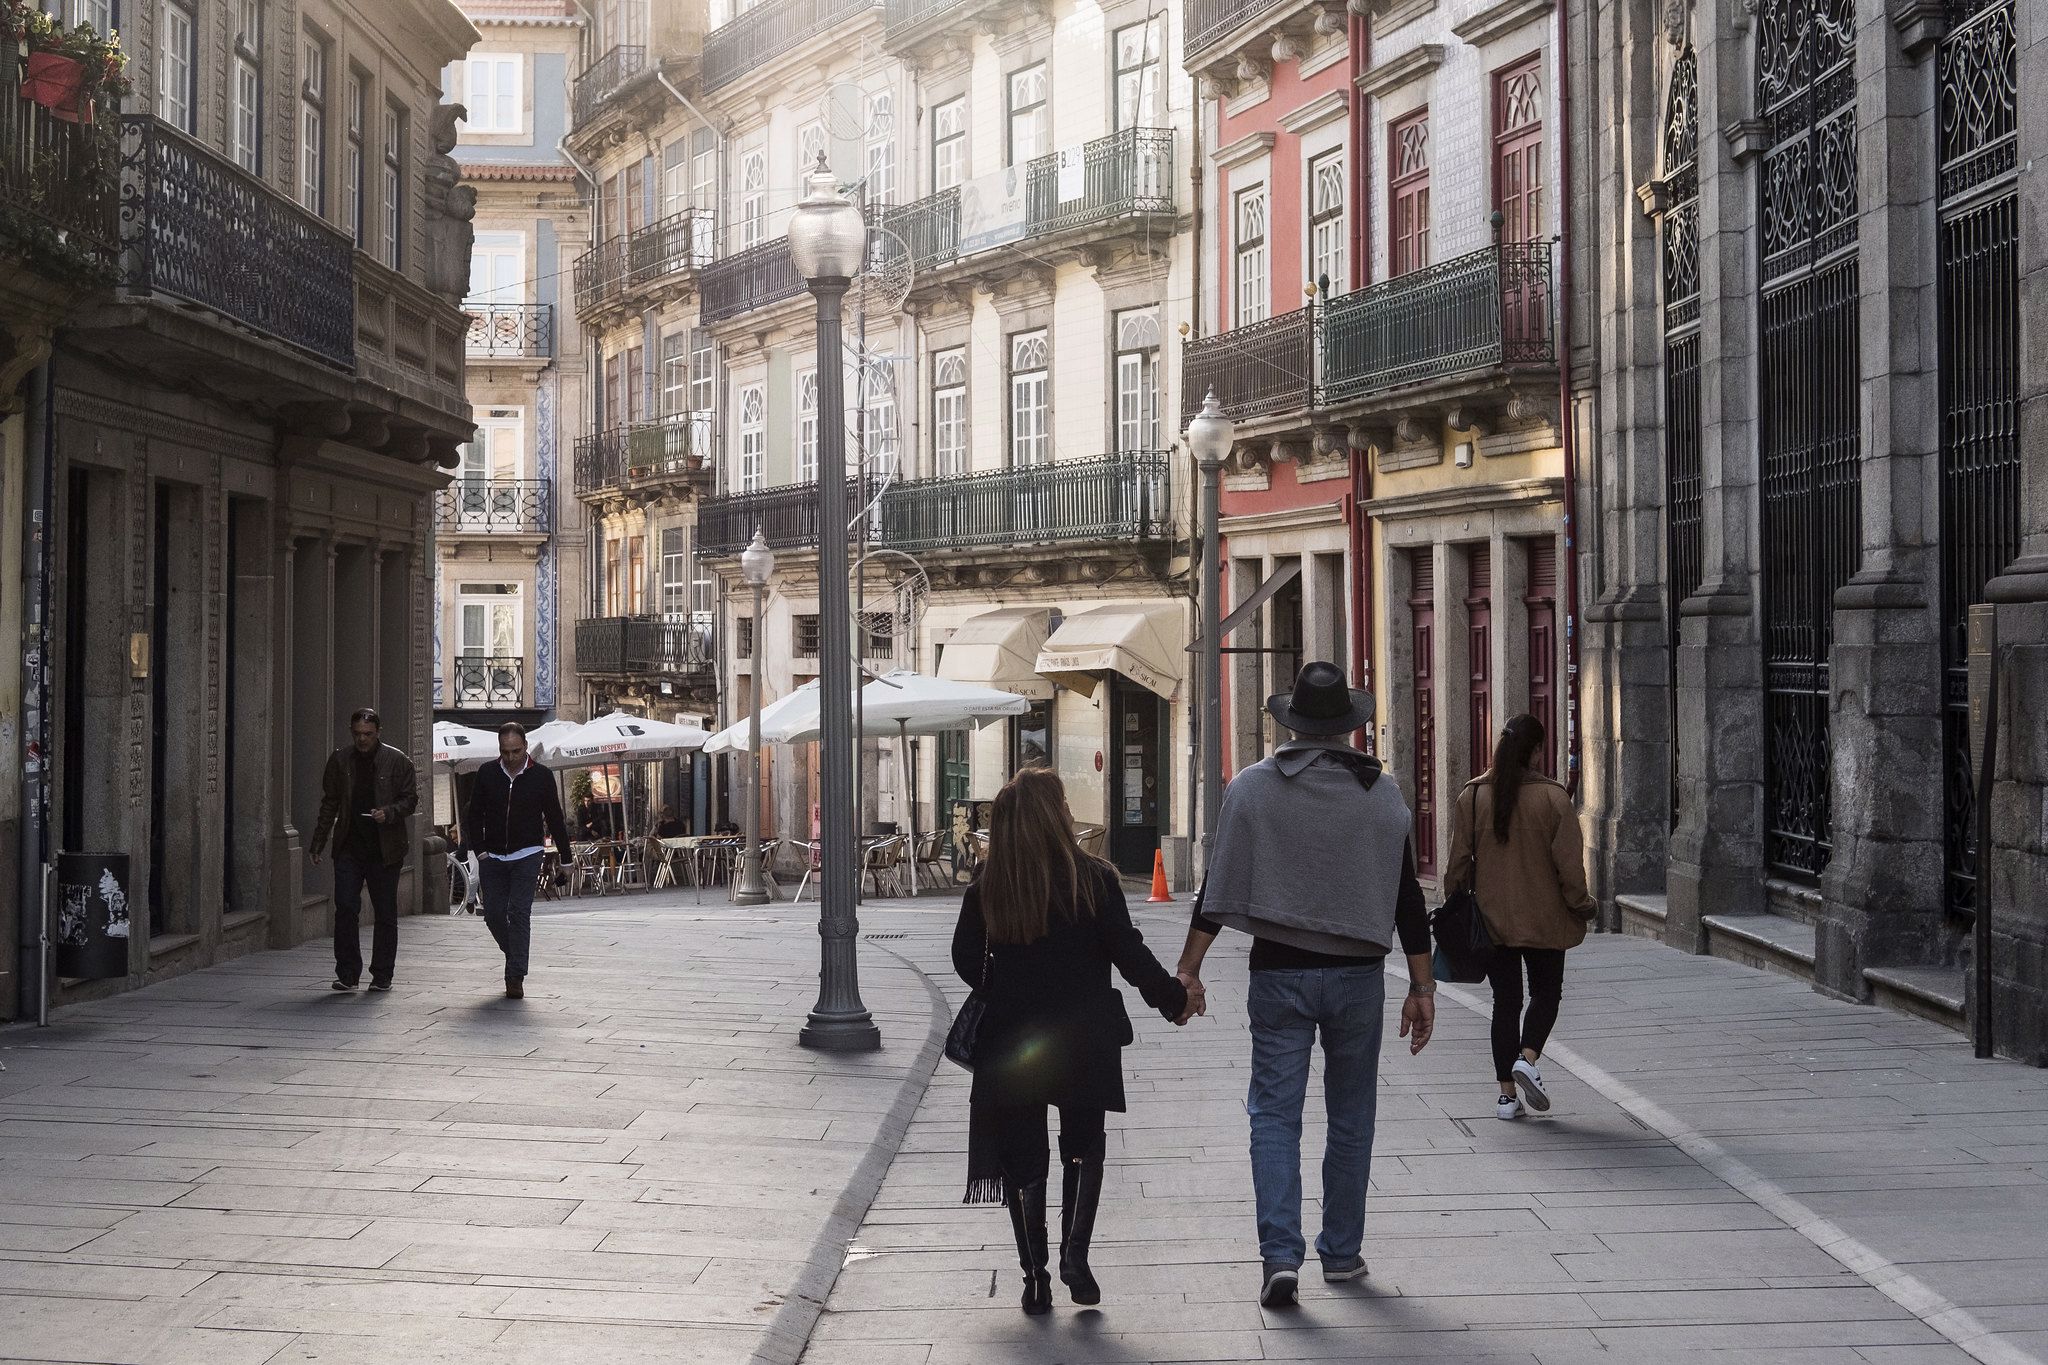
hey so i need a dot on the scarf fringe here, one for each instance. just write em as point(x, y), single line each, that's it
point(987, 1190)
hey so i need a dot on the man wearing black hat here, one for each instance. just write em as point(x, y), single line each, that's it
point(1312, 857)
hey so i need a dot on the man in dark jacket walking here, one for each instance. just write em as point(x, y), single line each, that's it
point(513, 810)
point(1312, 858)
point(366, 796)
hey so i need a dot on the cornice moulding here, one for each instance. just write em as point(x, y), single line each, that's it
point(1408, 67)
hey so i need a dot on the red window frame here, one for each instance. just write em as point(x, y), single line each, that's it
point(1407, 196)
point(1518, 170)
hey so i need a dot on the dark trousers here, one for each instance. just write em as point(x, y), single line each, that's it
point(508, 906)
point(1512, 1029)
point(1021, 1140)
point(350, 879)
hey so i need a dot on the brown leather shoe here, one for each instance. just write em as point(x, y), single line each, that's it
point(515, 988)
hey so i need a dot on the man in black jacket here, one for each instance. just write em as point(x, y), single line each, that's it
point(366, 796)
point(513, 810)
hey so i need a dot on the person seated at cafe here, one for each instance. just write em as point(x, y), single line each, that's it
point(726, 827)
point(669, 826)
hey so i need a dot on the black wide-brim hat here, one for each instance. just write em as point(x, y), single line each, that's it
point(1321, 704)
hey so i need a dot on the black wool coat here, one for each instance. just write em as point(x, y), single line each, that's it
point(1055, 1027)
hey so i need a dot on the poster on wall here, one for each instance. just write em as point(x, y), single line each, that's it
point(992, 210)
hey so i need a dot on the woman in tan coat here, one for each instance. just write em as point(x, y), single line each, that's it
point(1519, 829)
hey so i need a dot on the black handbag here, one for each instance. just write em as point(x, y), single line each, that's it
point(965, 1035)
point(1464, 947)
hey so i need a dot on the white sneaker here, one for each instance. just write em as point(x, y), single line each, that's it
point(1531, 1082)
point(1507, 1107)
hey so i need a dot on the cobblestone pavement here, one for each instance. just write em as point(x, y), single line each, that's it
point(1714, 1128)
point(638, 1163)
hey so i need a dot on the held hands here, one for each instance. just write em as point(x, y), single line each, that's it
point(1198, 997)
point(1418, 1021)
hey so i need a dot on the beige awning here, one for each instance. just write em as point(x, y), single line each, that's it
point(1000, 649)
point(1143, 641)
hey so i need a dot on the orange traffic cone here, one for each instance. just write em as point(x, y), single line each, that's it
point(1159, 894)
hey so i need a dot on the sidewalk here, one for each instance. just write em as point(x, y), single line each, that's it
point(635, 1163)
point(1714, 1129)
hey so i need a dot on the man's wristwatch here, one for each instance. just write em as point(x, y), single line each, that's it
point(1418, 988)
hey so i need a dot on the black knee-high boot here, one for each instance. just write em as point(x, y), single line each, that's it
point(1080, 1195)
point(1027, 1220)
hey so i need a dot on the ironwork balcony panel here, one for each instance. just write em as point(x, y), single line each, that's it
point(196, 226)
point(510, 331)
point(1113, 498)
point(1480, 311)
point(674, 246)
point(929, 228)
point(65, 175)
point(490, 680)
point(1256, 371)
point(767, 31)
point(787, 516)
point(599, 275)
point(908, 22)
point(1204, 22)
point(604, 78)
point(754, 278)
point(1126, 174)
point(484, 506)
point(657, 646)
point(640, 455)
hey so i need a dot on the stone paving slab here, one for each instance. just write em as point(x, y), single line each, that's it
point(636, 1162)
point(1592, 1233)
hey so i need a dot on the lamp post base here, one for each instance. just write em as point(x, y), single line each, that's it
point(752, 887)
point(841, 1033)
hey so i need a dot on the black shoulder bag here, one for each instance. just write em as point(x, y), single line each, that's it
point(965, 1034)
point(1464, 948)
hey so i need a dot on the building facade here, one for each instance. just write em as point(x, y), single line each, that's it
point(510, 534)
point(241, 438)
point(1816, 296)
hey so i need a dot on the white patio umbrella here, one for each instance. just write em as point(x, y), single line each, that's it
point(739, 735)
point(544, 741)
point(461, 748)
point(620, 738)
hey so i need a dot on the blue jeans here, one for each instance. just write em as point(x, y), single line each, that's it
point(1287, 1008)
point(508, 905)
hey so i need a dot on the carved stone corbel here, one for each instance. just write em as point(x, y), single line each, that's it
point(1249, 457)
point(1285, 48)
point(1328, 444)
point(1921, 24)
point(1747, 139)
point(1369, 437)
point(22, 348)
point(1526, 409)
point(369, 429)
point(1251, 71)
point(317, 419)
point(1472, 416)
point(1419, 426)
point(1655, 197)
point(410, 446)
point(1329, 22)
point(1287, 452)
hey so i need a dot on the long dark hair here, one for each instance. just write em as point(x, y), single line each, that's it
point(1032, 857)
point(1519, 741)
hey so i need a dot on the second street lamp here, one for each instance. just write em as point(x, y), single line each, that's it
point(757, 566)
point(1210, 436)
point(827, 244)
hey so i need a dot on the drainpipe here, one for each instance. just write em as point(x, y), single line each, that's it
point(1363, 606)
point(1568, 424)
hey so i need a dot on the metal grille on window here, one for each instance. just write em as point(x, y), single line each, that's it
point(1810, 410)
point(1977, 83)
point(1684, 567)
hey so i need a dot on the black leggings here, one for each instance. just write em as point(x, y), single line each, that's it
point(1021, 1140)
point(1512, 1029)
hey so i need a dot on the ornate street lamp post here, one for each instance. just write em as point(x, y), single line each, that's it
point(827, 244)
point(1210, 436)
point(757, 566)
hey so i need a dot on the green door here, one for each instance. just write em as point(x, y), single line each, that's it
point(1137, 776)
point(952, 778)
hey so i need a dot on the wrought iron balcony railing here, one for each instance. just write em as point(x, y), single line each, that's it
point(1116, 497)
point(771, 28)
point(481, 506)
point(510, 330)
point(490, 680)
point(750, 279)
point(648, 645)
point(906, 20)
point(929, 228)
point(1489, 308)
point(66, 175)
point(1204, 21)
point(674, 246)
point(1267, 367)
point(639, 454)
point(603, 78)
point(196, 226)
point(599, 274)
point(787, 516)
point(1126, 174)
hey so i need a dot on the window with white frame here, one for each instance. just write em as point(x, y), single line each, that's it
point(675, 177)
point(493, 90)
point(882, 148)
point(810, 145)
point(313, 126)
point(704, 169)
point(1328, 247)
point(949, 144)
point(1030, 398)
point(488, 621)
point(806, 425)
point(1028, 131)
point(1137, 379)
point(497, 270)
point(245, 88)
point(753, 437)
point(878, 413)
point(352, 172)
point(394, 186)
point(488, 460)
point(1139, 72)
point(675, 574)
point(703, 389)
point(753, 198)
point(703, 589)
point(1249, 297)
point(98, 13)
point(177, 64)
point(949, 412)
point(675, 372)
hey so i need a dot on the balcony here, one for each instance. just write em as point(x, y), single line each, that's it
point(1482, 311)
point(604, 78)
point(1128, 174)
point(907, 23)
point(1114, 498)
point(787, 516)
point(510, 331)
point(643, 645)
point(770, 30)
point(670, 250)
point(754, 278)
point(475, 507)
point(489, 681)
point(650, 457)
point(199, 228)
point(1256, 371)
point(1205, 22)
point(63, 177)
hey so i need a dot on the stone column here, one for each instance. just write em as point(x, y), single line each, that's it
point(1717, 849)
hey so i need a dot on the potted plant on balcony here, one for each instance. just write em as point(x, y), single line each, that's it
point(64, 70)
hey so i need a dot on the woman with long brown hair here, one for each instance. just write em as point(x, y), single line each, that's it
point(1038, 932)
